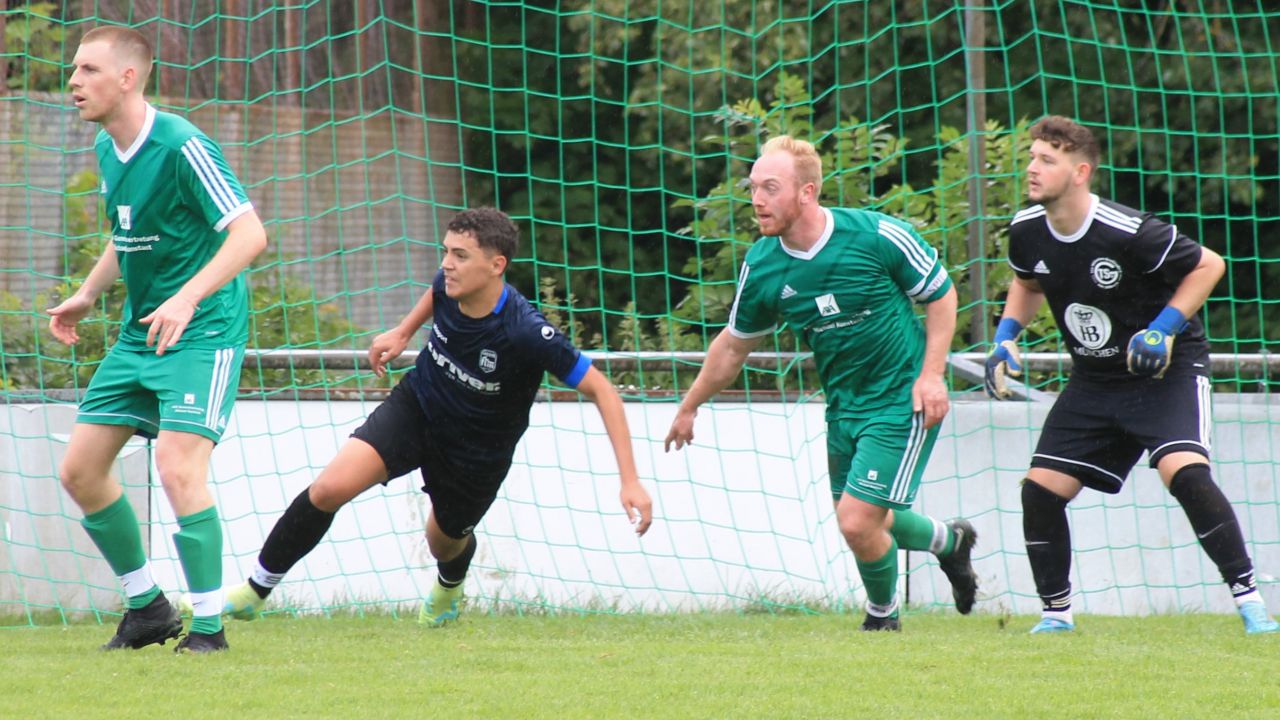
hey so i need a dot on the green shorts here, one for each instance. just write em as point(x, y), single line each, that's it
point(879, 460)
point(191, 390)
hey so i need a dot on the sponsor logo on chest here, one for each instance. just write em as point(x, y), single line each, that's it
point(1091, 327)
point(1105, 272)
point(461, 375)
point(827, 305)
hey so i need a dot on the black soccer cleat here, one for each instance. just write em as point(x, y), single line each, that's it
point(157, 622)
point(881, 624)
point(202, 643)
point(959, 566)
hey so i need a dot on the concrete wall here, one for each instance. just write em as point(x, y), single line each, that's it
point(360, 199)
point(742, 516)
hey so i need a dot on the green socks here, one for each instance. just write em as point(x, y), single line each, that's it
point(913, 531)
point(114, 529)
point(881, 580)
point(199, 544)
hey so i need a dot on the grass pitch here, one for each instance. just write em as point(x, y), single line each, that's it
point(688, 666)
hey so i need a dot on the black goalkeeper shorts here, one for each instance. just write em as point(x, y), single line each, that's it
point(460, 492)
point(1097, 432)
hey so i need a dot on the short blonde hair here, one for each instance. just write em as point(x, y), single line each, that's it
point(129, 45)
point(808, 162)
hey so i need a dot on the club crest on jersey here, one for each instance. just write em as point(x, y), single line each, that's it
point(1106, 273)
point(1089, 325)
point(488, 360)
point(125, 213)
point(827, 305)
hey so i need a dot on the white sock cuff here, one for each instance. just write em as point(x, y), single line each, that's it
point(139, 581)
point(264, 578)
point(939, 541)
point(882, 611)
point(1251, 596)
point(206, 604)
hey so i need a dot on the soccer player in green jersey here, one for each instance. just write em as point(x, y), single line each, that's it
point(183, 231)
point(844, 280)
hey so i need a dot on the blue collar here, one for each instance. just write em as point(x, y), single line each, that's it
point(502, 300)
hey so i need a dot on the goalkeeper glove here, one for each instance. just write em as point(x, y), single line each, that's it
point(1003, 360)
point(1151, 350)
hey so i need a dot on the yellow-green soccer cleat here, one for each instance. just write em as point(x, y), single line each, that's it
point(441, 606)
point(239, 602)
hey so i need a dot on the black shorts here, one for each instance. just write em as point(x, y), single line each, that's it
point(460, 492)
point(1096, 433)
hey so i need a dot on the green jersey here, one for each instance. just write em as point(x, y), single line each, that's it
point(170, 197)
point(849, 298)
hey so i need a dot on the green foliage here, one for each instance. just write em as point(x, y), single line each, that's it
point(36, 36)
point(856, 156)
point(285, 313)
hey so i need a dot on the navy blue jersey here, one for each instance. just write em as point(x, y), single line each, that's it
point(1107, 281)
point(477, 377)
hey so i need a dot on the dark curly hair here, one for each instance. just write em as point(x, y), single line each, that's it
point(493, 230)
point(1068, 135)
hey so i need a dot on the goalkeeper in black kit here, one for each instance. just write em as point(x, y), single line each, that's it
point(1126, 289)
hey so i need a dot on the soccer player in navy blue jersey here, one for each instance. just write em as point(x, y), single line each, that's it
point(1122, 285)
point(457, 415)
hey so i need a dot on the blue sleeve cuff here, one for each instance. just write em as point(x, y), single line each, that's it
point(578, 372)
point(1170, 321)
point(1008, 329)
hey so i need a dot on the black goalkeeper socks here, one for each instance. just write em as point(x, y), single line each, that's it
point(1048, 538)
point(453, 572)
point(1214, 521)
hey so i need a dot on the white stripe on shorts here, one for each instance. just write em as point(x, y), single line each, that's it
point(910, 458)
point(1204, 398)
point(218, 382)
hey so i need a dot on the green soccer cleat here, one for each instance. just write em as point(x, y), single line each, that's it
point(441, 606)
point(242, 602)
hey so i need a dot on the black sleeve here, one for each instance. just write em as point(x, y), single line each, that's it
point(1158, 248)
point(1019, 254)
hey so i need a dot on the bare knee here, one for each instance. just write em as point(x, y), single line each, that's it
point(861, 530)
point(184, 478)
point(88, 487)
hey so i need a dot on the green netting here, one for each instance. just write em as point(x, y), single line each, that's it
point(618, 134)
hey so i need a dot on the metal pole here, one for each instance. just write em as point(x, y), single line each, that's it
point(975, 32)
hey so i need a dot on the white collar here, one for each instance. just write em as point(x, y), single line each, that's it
point(148, 121)
point(812, 252)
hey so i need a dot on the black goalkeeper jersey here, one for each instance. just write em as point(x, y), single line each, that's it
point(1108, 281)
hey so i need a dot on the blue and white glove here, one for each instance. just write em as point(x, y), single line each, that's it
point(1004, 360)
point(1151, 350)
